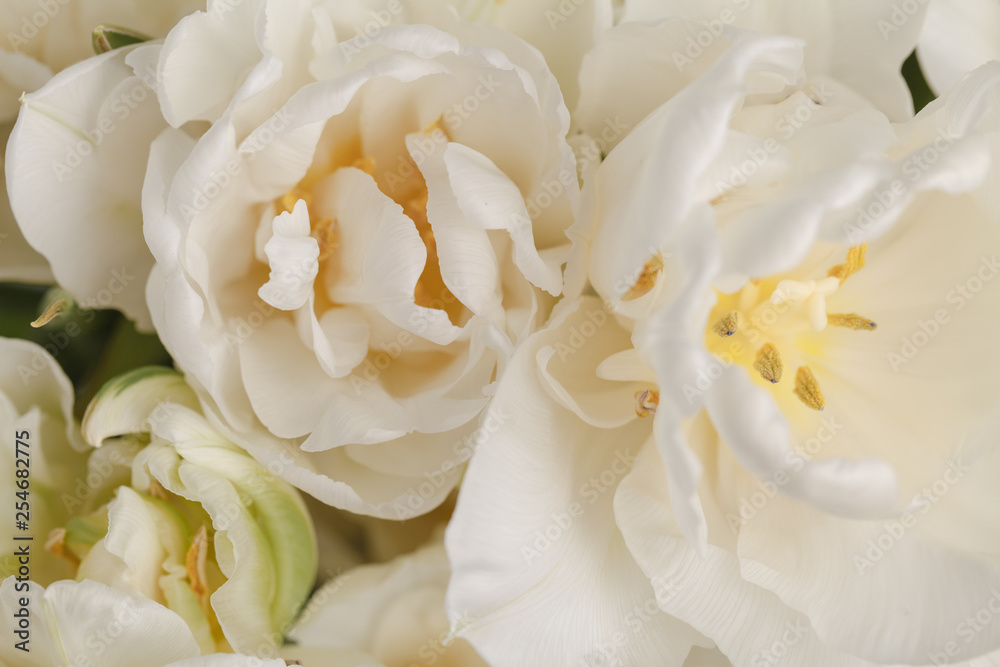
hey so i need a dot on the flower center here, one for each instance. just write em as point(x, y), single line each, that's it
point(410, 193)
point(759, 324)
point(771, 323)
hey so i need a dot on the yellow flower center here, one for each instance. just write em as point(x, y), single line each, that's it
point(410, 193)
point(752, 326)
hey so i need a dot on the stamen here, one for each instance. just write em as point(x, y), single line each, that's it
point(646, 402)
point(287, 201)
point(647, 278)
point(851, 321)
point(194, 564)
point(728, 325)
point(855, 262)
point(56, 545)
point(807, 388)
point(157, 491)
point(53, 311)
point(325, 233)
point(768, 363)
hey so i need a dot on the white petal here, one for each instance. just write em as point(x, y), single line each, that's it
point(646, 186)
point(861, 44)
point(223, 36)
point(469, 265)
point(748, 623)
point(19, 262)
point(490, 200)
point(860, 597)
point(75, 622)
point(86, 134)
point(394, 611)
point(958, 37)
point(569, 374)
point(556, 584)
point(124, 404)
point(757, 432)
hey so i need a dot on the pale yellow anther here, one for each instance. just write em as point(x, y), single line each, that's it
point(768, 363)
point(646, 402)
point(807, 388)
point(286, 203)
point(855, 262)
point(157, 491)
point(53, 311)
point(851, 321)
point(728, 325)
point(195, 565)
point(647, 278)
point(56, 545)
point(325, 233)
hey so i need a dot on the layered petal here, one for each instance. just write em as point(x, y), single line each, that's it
point(557, 585)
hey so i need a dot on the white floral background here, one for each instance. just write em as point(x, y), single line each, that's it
point(519, 333)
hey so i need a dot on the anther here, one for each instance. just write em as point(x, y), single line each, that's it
point(53, 311)
point(728, 325)
point(647, 278)
point(195, 565)
point(768, 363)
point(851, 321)
point(807, 388)
point(855, 262)
point(646, 402)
